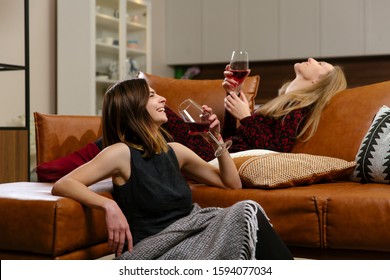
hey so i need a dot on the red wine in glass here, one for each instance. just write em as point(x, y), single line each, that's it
point(198, 123)
point(240, 75)
point(196, 128)
point(239, 66)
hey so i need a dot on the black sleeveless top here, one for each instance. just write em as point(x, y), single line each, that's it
point(156, 195)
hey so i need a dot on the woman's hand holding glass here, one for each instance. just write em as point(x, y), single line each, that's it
point(238, 71)
point(201, 120)
point(215, 126)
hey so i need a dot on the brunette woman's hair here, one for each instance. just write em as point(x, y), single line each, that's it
point(316, 98)
point(126, 119)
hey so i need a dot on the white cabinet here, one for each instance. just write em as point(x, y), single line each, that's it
point(377, 26)
point(258, 21)
point(201, 31)
point(299, 28)
point(183, 31)
point(99, 43)
point(342, 28)
point(121, 42)
point(220, 29)
point(206, 31)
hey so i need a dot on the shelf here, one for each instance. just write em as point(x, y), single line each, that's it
point(113, 49)
point(135, 52)
point(134, 26)
point(135, 4)
point(129, 30)
point(10, 67)
point(107, 21)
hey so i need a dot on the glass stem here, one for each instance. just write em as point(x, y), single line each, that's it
point(213, 137)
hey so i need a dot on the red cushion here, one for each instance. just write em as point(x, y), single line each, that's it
point(53, 170)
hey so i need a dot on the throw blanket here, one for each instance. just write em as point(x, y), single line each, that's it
point(206, 233)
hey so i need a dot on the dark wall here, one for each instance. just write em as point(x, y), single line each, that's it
point(359, 71)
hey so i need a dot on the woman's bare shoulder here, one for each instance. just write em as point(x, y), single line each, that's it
point(177, 147)
point(116, 150)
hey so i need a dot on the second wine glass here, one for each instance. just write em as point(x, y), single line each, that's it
point(198, 123)
point(239, 66)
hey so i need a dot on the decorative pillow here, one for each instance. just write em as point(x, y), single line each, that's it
point(53, 170)
point(282, 170)
point(240, 157)
point(373, 157)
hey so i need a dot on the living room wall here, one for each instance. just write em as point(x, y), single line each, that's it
point(360, 70)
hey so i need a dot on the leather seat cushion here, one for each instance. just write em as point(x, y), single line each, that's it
point(338, 211)
point(35, 221)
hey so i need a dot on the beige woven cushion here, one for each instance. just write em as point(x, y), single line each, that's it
point(240, 157)
point(282, 170)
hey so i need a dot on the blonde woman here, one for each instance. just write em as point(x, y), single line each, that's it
point(293, 115)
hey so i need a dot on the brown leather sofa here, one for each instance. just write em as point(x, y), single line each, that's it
point(330, 220)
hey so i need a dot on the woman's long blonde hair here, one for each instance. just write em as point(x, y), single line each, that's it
point(126, 119)
point(316, 97)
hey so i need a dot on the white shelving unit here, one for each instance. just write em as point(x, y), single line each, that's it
point(272, 30)
point(118, 46)
point(121, 42)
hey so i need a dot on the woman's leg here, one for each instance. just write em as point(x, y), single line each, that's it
point(269, 245)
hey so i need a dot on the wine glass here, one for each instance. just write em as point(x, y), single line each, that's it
point(239, 66)
point(198, 122)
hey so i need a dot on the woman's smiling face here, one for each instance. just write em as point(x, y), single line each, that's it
point(156, 107)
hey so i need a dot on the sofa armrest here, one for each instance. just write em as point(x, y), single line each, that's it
point(35, 222)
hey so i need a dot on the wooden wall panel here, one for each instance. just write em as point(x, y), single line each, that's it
point(13, 156)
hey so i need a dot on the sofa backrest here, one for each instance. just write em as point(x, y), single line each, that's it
point(346, 120)
point(209, 92)
point(59, 135)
